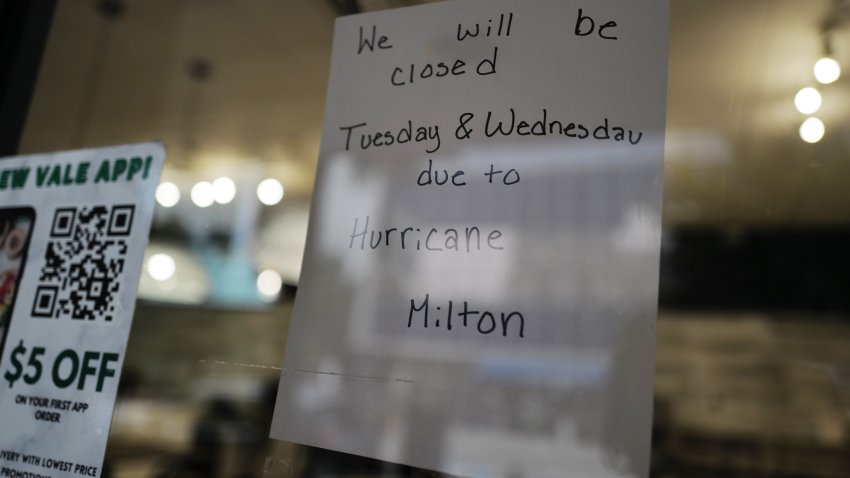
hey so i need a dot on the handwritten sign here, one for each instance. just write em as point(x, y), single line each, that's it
point(73, 231)
point(479, 289)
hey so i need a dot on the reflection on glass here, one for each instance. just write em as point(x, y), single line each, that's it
point(753, 334)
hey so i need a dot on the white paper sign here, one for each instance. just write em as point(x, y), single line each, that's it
point(73, 230)
point(479, 289)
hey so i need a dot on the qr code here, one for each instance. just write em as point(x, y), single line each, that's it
point(83, 263)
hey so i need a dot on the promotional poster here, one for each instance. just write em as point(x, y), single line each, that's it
point(73, 230)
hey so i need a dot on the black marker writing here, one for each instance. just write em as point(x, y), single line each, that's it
point(402, 135)
point(411, 73)
point(585, 26)
point(484, 321)
point(464, 239)
point(503, 27)
point(543, 126)
point(462, 131)
point(367, 43)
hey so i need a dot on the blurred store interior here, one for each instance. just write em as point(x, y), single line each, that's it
point(753, 342)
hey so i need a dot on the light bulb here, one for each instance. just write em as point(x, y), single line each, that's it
point(812, 130)
point(167, 194)
point(223, 190)
point(807, 101)
point(827, 70)
point(269, 283)
point(202, 194)
point(161, 266)
point(270, 191)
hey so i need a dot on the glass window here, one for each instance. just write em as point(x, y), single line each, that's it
point(753, 338)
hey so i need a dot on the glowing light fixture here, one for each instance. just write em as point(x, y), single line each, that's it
point(202, 194)
point(223, 190)
point(807, 101)
point(812, 130)
point(269, 284)
point(827, 70)
point(161, 266)
point(167, 194)
point(270, 191)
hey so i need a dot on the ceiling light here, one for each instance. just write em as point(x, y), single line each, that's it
point(812, 130)
point(167, 194)
point(161, 266)
point(202, 194)
point(223, 190)
point(827, 70)
point(270, 191)
point(807, 101)
point(269, 284)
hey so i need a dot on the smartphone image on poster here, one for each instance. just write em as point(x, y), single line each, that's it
point(15, 229)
